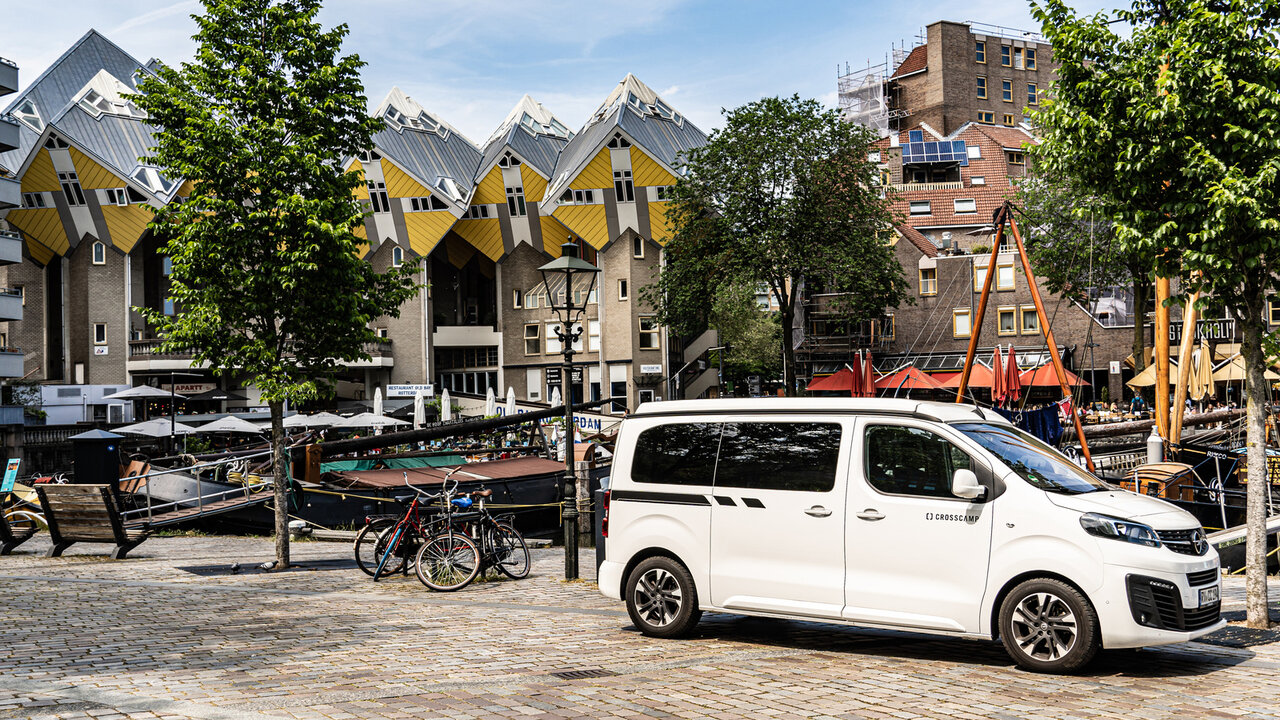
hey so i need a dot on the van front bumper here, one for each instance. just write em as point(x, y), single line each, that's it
point(1139, 607)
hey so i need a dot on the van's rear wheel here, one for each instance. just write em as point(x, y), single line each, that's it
point(661, 599)
point(1048, 626)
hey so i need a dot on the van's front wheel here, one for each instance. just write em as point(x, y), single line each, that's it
point(1048, 626)
point(661, 599)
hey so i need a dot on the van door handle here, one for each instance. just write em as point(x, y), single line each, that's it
point(817, 511)
point(871, 514)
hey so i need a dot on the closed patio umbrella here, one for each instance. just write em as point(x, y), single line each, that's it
point(419, 409)
point(446, 405)
point(868, 377)
point(1200, 382)
point(377, 401)
point(511, 401)
point(490, 402)
point(1013, 379)
point(999, 382)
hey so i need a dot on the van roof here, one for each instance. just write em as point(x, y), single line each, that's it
point(942, 412)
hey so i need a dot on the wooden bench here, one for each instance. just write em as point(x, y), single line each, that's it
point(10, 538)
point(87, 513)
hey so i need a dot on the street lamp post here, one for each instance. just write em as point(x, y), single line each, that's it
point(571, 266)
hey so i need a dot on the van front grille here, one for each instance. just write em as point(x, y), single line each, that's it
point(1157, 603)
point(1186, 542)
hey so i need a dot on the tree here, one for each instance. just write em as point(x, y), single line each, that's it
point(265, 266)
point(1072, 243)
point(1175, 124)
point(782, 195)
point(751, 334)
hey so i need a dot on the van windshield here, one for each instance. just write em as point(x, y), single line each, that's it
point(1032, 460)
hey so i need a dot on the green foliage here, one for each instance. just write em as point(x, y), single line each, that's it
point(782, 195)
point(266, 272)
point(751, 333)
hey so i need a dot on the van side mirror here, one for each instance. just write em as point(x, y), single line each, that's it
point(964, 484)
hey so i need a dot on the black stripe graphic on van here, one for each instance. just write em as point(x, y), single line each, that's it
point(658, 497)
point(723, 500)
point(752, 502)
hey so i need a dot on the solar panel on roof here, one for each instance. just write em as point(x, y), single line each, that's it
point(944, 151)
point(915, 136)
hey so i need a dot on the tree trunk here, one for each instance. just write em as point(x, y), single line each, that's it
point(788, 351)
point(280, 483)
point(1257, 392)
point(1140, 286)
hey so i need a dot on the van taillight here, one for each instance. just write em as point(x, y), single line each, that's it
point(604, 519)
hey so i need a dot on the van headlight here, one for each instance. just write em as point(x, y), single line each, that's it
point(1117, 529)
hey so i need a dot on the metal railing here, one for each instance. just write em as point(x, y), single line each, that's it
point(152, 347)
point(151, 507)
point(925, 187)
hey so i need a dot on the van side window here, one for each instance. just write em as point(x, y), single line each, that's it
point(911, 461)
point(676, 454)
point(779, 456)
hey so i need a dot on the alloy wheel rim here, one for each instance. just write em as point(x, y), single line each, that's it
point(1044, 627)
point(658, 597)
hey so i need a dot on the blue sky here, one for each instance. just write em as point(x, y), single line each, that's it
point(469, 61)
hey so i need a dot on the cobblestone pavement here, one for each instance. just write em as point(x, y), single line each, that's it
point(87, 637)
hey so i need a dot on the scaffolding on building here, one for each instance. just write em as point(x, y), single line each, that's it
point(867, 96)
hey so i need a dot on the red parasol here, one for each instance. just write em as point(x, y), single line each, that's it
point(868, 377)
point(908, 378)
point(856, 390)
point(841, 381)
point(1013, 389)
point(1044, 376)
point(980, 377)
point(999, 383)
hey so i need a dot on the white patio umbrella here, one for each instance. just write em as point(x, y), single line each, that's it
point(511, 401)
point(320, 419)
point(369, 420)
point(142, 392)
point(377, 401)
point(555, 396)
point(446, 407)
point(419, 409)
point(230, 424)
point(157, 427)
point(490, 403)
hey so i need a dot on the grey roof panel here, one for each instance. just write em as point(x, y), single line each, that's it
point(541, 151)
point(429, 157)
point(119, 141)
point(664, 139)
point(58, 84)
point(584, 144)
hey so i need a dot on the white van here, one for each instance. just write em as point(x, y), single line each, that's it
point(919, 516)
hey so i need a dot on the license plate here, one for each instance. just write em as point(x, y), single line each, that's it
point(1209, 595)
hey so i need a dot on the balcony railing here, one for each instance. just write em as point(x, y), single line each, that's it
point(150, 348)
point(925, 187)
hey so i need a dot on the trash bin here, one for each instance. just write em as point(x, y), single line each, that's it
point(95, 457)
point(599, 520)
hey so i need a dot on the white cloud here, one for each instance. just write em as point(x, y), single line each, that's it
point(184, 9)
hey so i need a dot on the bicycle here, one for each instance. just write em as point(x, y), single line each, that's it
point(502, 547)
point(445, 561)
point(367, 540)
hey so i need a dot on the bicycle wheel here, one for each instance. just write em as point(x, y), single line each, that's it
point(510, 553)
point(394, 547)
point(366, 544)
point(448, 562)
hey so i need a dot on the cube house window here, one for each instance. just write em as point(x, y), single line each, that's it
point(99, 254)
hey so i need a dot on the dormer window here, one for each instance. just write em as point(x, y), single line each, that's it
point(528, 123)
point(95, 103)
point(152, 179)
point(363, 156)
point(28, 115)
point(509, 160)
point(451, 188)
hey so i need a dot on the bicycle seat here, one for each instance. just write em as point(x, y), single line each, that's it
point(482, 493)
point(403, 499)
